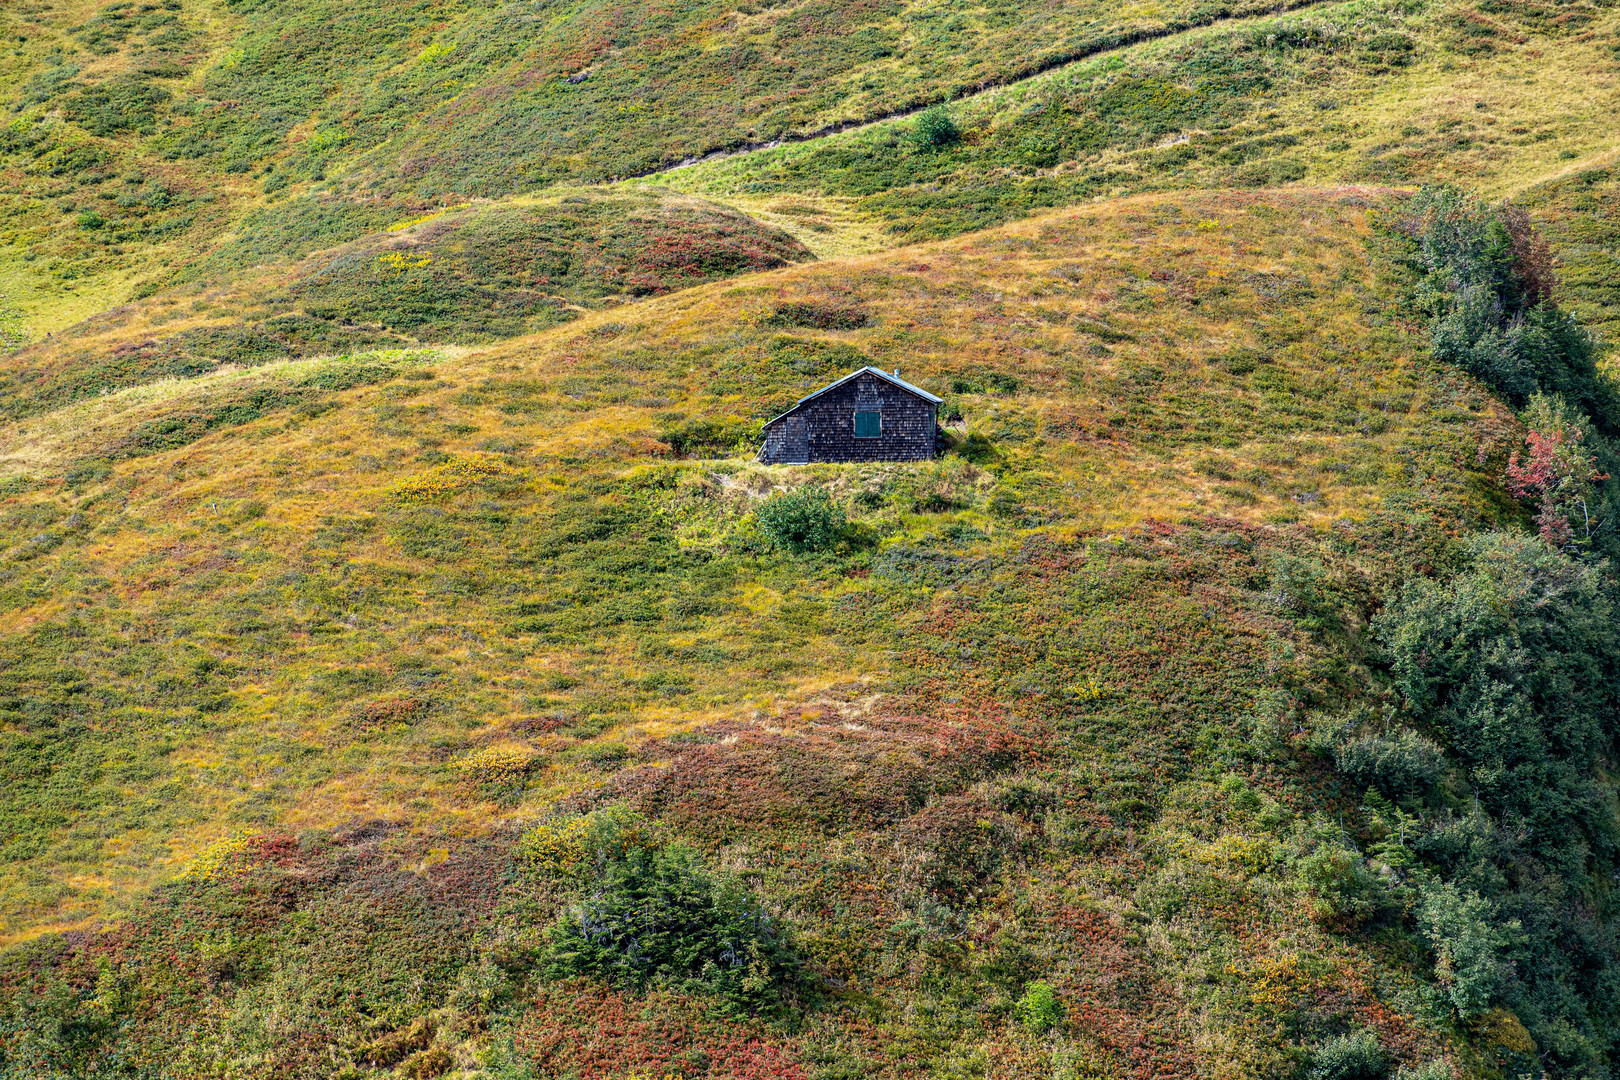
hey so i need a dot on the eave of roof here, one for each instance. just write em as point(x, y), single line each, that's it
point(879, 372)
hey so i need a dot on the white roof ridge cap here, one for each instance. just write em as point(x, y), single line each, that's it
point(875, 370)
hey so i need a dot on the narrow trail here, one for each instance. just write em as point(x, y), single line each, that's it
point(1088, 51)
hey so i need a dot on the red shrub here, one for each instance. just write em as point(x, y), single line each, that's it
point(583, 1029)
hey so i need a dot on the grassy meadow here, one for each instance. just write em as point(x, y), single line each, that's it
point(1361, 92)
point(449, 591)
point(405, 672)
point(142, 132)
point(202, 141)
point(1578, 211)
point(463, 275)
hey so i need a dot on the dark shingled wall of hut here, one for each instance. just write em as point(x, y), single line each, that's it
point(823, 428)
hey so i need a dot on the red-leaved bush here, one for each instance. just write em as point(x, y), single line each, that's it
point(581, 1028)
point(1557, 473)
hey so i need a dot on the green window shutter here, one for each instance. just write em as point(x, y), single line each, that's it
point(868, 425)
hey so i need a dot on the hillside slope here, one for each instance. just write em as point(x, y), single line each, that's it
point(1255, 101)
point(466, 274)
point(180, 143)
point(444, 592)
point(153, 127)
point(1359, 93)
point(1579, 213)
point(406, 670)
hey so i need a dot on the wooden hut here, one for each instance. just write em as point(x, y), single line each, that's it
point(868, 415)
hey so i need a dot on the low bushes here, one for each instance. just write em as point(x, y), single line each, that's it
point(125, 103)
point(1515, 663)
point(818, 316)
point(1485, 282)
point(660, 918)
point(1558, 473)
point(711, 436)
point(1404, 763)
point(1349, 1057)
point(1039, 1010)
point(802, 520)
point(934, 129)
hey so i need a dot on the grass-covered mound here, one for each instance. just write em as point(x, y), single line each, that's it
point(501, 270)
point(466, 275)
point(1089, 702)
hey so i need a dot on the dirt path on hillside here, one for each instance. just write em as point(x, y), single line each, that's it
point(1088, 51)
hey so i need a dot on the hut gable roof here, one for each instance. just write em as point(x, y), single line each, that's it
point(879, 372)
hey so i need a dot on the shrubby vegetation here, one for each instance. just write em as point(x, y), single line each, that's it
point(1039, 1009)
point(1515, 663)
point(1557, 473)
point(1001, 785)
point(1487, 288)
point(806, 520)
point(366, 107)
point(1400, 765)
point(1488, 809)
point(1486, 281)
point(716, 437)
point(934, 129)
point(658, 918)
point(1349, 1057)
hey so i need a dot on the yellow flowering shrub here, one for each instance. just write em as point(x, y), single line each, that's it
point(564, 844)
point(1090, 690)
point(1273, 982)
point(556, 846)
point(400, 261)
point(495, 763)
point(459, 473)
point(212, 861)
